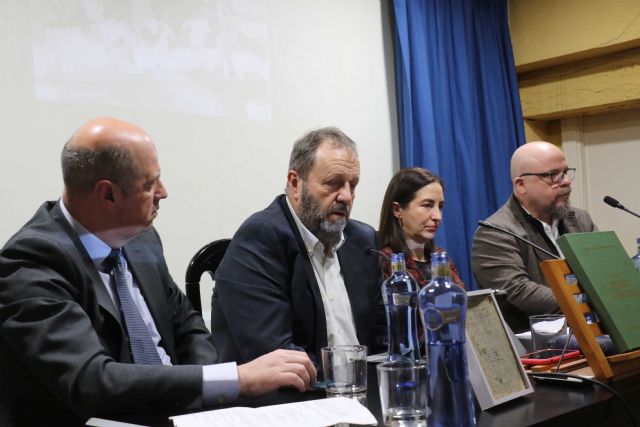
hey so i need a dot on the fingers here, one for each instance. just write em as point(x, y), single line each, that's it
point(294, 369)
point(300, 358)
point(277, 369)
point(310, 368)
point(294, 380)
point(300, 371)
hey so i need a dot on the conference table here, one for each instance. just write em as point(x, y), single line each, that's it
point(550, 405)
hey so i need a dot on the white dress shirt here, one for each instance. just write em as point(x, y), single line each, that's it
point(341, 328)
point(220, 382)
point(550, 230)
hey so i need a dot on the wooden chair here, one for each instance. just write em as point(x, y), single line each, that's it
point(207, 259)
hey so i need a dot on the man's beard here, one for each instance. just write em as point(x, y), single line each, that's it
point(559, 210)
point(328, 232)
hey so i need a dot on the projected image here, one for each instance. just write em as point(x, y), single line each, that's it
point(207, 57)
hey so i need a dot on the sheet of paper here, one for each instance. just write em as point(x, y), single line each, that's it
point(101, 422)
point(311, 413)
point(549, 326)
point(524, 335)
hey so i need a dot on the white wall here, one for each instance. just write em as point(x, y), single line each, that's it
point(223, 87)
point(606, 150)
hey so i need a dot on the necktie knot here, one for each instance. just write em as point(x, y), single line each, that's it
point(111, 261)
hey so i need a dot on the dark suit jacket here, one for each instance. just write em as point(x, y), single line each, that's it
point(266, 294)
point(500, 261)
point(63, 354)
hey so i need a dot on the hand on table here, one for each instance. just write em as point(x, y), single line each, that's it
point(280, 368)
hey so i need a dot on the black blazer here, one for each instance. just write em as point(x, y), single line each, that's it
point(63, 353)
point(266, 295)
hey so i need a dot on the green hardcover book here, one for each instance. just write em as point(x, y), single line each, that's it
point(610, 281)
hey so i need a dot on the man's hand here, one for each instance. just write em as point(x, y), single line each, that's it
point(277, 369)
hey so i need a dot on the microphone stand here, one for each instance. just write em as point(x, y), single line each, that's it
point(629, 211)
point(373, 251)
point(495, 227)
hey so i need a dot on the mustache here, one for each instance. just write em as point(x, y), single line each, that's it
point(339, 207)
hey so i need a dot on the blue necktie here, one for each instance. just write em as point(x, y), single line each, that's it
point(143, 349)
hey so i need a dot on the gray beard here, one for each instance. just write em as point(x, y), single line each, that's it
point(328, 232)
point(559, 212)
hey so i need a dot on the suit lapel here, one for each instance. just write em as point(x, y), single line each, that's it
point(104, 299)
point(102, 296)
point(312, 283)
point(351, 262)
point(569, 224)
point(144, 268)
point(533, 232)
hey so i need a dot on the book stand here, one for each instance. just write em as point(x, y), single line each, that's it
point(568, 293)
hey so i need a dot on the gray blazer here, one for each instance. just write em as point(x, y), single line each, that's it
point(500, 261)
point(63, 354)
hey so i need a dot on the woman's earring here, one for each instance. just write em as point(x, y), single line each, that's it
point(400, 222)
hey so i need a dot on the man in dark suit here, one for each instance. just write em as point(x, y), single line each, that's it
point(297, 274)
point(539, 211)
point(71, 330)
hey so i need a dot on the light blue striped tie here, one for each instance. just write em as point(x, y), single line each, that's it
point(143, 349)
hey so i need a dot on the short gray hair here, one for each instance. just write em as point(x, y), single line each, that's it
point(83, 167)
point(303, 155)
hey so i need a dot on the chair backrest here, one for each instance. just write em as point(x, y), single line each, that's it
point(206, 259)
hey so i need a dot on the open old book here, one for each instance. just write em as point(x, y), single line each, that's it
point(320, 412)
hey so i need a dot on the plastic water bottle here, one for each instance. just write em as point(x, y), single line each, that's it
point(400, 296)
point(636, 257)
point(443, 308)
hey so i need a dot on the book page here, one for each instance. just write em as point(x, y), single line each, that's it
point(320, 412)
point(500, 365)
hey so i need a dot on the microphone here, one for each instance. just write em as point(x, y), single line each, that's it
point(373, 251)
point(612, 202)
point(616, 204)
point(495, 227)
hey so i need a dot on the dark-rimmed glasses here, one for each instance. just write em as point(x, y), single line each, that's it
point(554, 177)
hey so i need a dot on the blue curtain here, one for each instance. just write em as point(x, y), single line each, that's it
point(459, 108)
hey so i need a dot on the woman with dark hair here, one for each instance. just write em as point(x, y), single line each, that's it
point(410, 216)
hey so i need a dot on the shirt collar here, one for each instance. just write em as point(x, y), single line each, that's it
point(308, 238)
point(96, 248)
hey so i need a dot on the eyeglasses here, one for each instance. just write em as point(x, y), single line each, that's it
point(554, 177)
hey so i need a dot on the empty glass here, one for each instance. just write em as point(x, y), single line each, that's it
point(403, 392)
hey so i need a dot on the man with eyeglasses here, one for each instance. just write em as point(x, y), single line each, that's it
point(539, 211)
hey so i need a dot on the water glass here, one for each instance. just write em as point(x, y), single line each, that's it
point(546, 328)
point(345, 368)
point(403, 392)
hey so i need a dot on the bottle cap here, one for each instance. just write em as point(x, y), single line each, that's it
point(439, 257)
point(399, 257)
